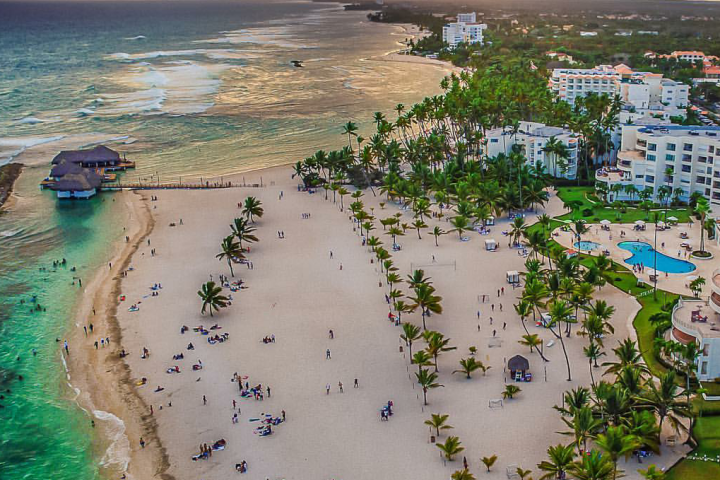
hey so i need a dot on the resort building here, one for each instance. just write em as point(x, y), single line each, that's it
point(464, 30)
point(642, 92)
point(561, 57)
point(684, 56)
point(532, 138)
point(691, 156)
point(699, 321)
point(80, 173)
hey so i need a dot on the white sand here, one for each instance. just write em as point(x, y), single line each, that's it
point(297, 293)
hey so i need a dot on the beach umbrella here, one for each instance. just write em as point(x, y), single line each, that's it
point(691, 278)
point(639, 222)
point(605, 222)
point(651, 271)
point(673, 219)
point(661, 224)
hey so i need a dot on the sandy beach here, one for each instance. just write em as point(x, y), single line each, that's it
point(297, 293)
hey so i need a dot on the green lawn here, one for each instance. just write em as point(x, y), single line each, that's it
point(600, 212)
point(707, 433)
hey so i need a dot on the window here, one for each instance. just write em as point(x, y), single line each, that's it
point(650, 178)
point(702, 159)
point(670, 147)
point(706, 350)
point(670, 158)
point(700, 180)
point(686, 168)
point(652, 147)
point(639, 176)
point(650, 157)
point(494, 140)
point(711, 148)
point(703, 369)
point(686, 157)
point(687, 147)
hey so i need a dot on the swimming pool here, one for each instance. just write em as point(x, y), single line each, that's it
point(644, 253)
point(587, 246)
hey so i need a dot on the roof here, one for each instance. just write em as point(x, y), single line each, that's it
point(64, 168)
point(76, 182)
point(101, 153)
point(518, 362)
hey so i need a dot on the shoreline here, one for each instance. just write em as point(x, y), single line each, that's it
point(107, 398)
point(9, 174)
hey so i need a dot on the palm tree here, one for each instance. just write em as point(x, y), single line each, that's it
point(243, 231)
point(702, 208)
point(418, 224)
point(437, 231)
point(489, 461)
point(652, 473)
point(663, 398)
point(517, 229)
point(583, 425)
point(696, 286)
point(469, 365)
point(461, 224)
point(560, 458)
point(211, 298)
point(410, 334)
point(616, 442)
point(438, 422)
point(350, 129)
point(533, 341)
point(437, 344)
point(592, 353)
point(422, 359)
point(427, 381)
point(230, 250)
point(426, 300)
point(451, 447)
point(463, 474)
point(559, 312)
point(510, 391)
point(252, 208)
point(592, 466)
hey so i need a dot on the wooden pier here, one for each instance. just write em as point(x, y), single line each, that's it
point(172, 186)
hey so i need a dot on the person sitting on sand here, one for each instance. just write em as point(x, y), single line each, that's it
point(159, 389)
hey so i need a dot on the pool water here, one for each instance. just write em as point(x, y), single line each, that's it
point(644, 253)
point(587, 246)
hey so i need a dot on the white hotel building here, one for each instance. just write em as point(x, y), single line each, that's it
point(464, 30)
point(533, 137)
point(697, 321)
point(646, 93)
point(647, 152)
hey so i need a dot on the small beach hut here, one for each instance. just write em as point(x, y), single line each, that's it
point(605, 222)
point(489, 221)
point(639, 223)
point(513, 277)
point(490, 244)
point(672, 220)
point(518, 366)
point(660, 225)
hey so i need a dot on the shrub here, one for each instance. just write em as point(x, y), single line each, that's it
point(588, 212)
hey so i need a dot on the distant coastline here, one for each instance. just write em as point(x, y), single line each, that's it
point(8, 175)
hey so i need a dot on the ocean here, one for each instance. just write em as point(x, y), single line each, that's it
point(186, 90)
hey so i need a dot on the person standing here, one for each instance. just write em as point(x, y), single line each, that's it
point(327, 354)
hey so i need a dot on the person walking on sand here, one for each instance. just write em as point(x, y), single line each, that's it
point(142, 443)
point(356, 385)
point(327, 354)
point(67, 350)
point(340, 386)
point(234, 404)
point(268, 391)
point(331, 255)
point(283, 415)
point(327, 389)
point(204, 400)
point(331, 334)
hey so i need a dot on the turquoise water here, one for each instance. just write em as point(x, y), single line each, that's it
point(644, 253)
point(586, 245)
point(188, 90)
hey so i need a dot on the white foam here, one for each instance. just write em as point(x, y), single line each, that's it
point(118, 453)
point(10, 233)
point(11, 147)
point(30, 121)
point(139, 37)
point(179, 87)
point(83, 112)
point(218, 53)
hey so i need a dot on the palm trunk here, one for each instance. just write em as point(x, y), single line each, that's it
point(231, 269)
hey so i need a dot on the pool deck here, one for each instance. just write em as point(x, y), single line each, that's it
point(671, 282)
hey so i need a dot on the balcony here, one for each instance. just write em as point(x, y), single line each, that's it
point(629, 156)
point(715, 286)
point(695, 319)
point(612, 176)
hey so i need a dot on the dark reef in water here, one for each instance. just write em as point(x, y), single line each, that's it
point(8, 174)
